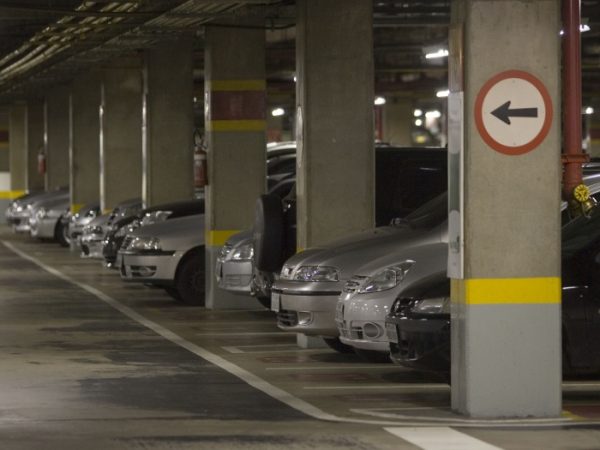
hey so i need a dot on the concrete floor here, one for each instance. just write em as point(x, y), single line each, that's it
point(88, 362)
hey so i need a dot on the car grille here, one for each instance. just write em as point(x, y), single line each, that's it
point(354, 284)
point(126, 242)
point(287, 318)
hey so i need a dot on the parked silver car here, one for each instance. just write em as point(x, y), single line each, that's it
point(234, 264)
point(168, 254)
point(92, 236)
point(78, 221)
point(19, 211)
point(307, 291)
point(45, 217)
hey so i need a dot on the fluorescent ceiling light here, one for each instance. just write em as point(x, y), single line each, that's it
point(418, 122)
point(417, 113)
point(278, 112)
point(433, 114)
point(440, 53)
point(379, 101)
point(588, 110)
point(441, 94)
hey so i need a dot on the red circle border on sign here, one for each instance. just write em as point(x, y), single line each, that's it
point(489, 140)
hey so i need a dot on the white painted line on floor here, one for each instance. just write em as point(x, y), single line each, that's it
point(442, 438)
point(346, 367)
point(394, 386)
point(270, 333)
point(257, 382)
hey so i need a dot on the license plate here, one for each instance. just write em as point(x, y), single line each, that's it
point(392, 333)
point(275, 301)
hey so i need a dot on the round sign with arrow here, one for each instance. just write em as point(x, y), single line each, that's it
point(513, 112)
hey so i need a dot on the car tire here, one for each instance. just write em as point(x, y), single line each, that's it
point(373, 356)
point(338, 346)
point(61, 234)
point(268, 233)
point(190, 279)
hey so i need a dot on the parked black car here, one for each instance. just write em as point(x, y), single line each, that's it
point(405, 178)
point(420, 324)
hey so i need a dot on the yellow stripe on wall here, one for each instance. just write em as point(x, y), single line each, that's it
point(217, 238)
point(497, 291)
point(11, 195)
point(237, 125)
point(238, 85)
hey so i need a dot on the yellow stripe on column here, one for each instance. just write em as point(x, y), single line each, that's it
point(498, 291)
point(237, 125)
point(11, 195)
point(238, 85)
point(216, 238)
point(75, 207)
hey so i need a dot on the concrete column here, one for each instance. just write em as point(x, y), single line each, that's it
point(168, 123)
point(334, 120)
point(235, 123)
point(121, 132)
point(35, 142)
point(56, 124)
point(84, 148)
point(506, 321)
point(398, 122)
point(18, 147)
point(5, 190)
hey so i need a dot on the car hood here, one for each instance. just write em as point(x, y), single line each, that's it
point(350, 254)
point(176, 234)
point(54, 203)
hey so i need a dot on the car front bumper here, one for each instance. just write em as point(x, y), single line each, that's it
point(235, 276)
point(422, 344)
point(43, 228)
point(91, 247)
point(307, 311)
point(158, 269)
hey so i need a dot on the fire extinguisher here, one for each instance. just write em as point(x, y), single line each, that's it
point(41, 161)
point(200, 173)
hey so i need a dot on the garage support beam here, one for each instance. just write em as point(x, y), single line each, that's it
point(168, 123)
point(235, 123)
point(57, 134)
point(506, 322)
point(121, 132)
point(18, 147)
point(84, 140)
point(35, 143)
point(334, 122)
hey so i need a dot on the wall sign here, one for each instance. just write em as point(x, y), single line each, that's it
point(513, 112)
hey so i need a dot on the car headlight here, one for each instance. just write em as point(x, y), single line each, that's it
point(127, 229)
point(435, 305)
point(388, 278)
point(225, 250)
point(143, 244)
point(286, 272)
point(93, 229)
point(41, 213)
point(155, 217)
point(317, 273)
point(243, 252)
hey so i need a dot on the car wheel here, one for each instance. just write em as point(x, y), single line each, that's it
point(373, 356)
point(190, 281)
point(338, 346)
point(268, 233)
point(62, 234)
point(173, 292)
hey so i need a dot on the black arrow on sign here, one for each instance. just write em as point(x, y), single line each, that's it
point(504, 113)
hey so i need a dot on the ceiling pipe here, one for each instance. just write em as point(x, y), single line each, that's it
point(573, 189)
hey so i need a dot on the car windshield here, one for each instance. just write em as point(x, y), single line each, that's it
point(429, 215)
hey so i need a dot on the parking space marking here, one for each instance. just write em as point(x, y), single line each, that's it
point(440, 438)
point(272, 390)
point(346, 367)
point(239, 348)
point(266, 333)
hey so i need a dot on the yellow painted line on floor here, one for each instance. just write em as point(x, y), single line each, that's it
point(498, 291)
point(217, 238)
